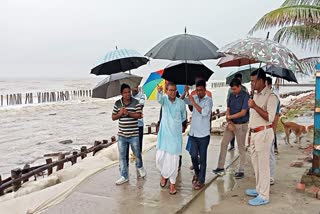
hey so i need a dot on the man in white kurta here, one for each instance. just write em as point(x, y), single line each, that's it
point(169, 145)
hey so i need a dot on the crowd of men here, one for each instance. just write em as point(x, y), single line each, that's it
point(250, 117)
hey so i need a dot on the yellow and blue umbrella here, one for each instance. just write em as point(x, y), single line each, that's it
point(154, 79)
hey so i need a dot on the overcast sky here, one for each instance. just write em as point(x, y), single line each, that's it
point(66, 38)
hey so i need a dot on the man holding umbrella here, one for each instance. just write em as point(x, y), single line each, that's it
point(128, 110)
point(262, 112)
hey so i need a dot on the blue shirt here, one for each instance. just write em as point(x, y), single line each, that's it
point(238, 102)
point(170, 131)
point(200, 123)
point(141, 98)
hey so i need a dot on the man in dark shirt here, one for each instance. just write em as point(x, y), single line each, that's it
point(128, 110)
point(237, 116)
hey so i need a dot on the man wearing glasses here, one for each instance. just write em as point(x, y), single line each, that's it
point(169, 145)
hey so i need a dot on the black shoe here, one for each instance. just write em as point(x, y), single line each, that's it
point(231, 148)
point(219, 171)
point(239, 175)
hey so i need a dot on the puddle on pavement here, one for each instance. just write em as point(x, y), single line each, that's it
point(213, 194)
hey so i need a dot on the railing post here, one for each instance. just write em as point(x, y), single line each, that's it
point(74, 157)
point(218, 113)
point(16, 173)
point(1, 190)
point(83, 151)
point(49, 161)
point(27, 166)
point(60, 165)
point(96, 144)
point(113, 139)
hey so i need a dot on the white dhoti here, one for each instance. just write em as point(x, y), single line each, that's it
point(168, 165)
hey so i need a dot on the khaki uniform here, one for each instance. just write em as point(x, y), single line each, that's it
point(261, 142)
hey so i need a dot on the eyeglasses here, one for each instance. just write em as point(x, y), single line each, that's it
point(172, 90)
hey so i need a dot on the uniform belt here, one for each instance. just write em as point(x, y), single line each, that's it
point(260, 128)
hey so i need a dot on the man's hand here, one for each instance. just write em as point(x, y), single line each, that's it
point(186, 90)
point(251, 103)
point(191, 99)
point(159, 88)
point(123, 111)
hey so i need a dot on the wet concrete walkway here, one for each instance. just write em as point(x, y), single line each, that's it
point(99, 194)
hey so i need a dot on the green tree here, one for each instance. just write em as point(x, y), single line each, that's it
point(297, 20)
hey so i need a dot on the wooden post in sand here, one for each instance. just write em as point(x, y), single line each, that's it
point(16, 173)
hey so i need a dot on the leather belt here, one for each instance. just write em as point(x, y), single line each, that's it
point(260, 128)
point(237, 123)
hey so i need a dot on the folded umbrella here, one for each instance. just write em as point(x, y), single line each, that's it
point(110, 86)
point(186, 72)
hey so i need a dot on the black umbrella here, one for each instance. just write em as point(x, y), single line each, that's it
point(119, 61)
point(110, 86)
point(176, 72)
point(280, 72)
point(184, 47)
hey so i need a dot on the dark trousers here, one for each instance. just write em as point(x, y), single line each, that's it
point(199, 147)
point(232, 142)
point(275, 141)
point(140, 143)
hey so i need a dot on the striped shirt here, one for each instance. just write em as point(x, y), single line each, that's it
point(128, 127)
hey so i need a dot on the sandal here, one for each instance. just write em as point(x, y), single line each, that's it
point(198, 186)
point(163, 182)
point(172, 189)
point(195, 179)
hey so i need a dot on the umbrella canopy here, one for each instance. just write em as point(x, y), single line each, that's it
point(280, 72)
point(154, 79)
point(244, 70)
point(186, 72)
point(110, 86)
point(184, 47)
point(262, 50)
point(119, 61)
point(309, 64)
point(229, 61)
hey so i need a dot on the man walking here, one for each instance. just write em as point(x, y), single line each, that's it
point(237, 116)
point(128, 110)
point(243, 88)
point(262, 112)
point(199, 133)
point(169, 145)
